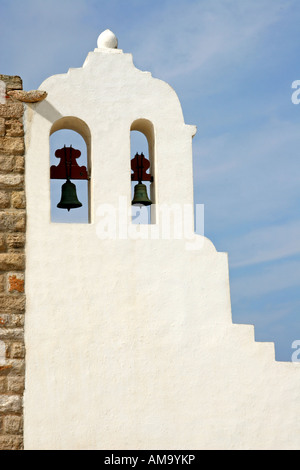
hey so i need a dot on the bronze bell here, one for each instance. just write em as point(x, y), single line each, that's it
point(140, 195)
point(69, 198)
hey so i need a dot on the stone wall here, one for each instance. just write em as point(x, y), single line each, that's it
point(12, 265)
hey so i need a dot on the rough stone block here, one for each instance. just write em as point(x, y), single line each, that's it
point(3, 384)
point(15, 282)
point(17, 351)
point(2, 127)
point(11, 334)
point(10, 404)
point(5, 370)
point(13, 128)
point(11, 181)
point(13, 82)
point(4, 200)
point(15, 368)
point(15, 384)
point(11, 304)
point(11, 443)
point(11, 110)
point(2, 242)
point(7, 163)
point(19, 164)
point(12, 145)
point(12, 261)
point(11, 320)
point(15, 241)
point(2, 285)
point(13, 425)
point(15, 305)
point(18, 200)
point(12, 221)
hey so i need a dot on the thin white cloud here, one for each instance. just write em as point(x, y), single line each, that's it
point(203, 35)
point(174, 38)
point(39, 36)
point(276, 315)
point(266, 244)
point(249, 175)
point(266, 280)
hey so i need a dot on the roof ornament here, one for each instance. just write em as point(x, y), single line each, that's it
point(108, 40)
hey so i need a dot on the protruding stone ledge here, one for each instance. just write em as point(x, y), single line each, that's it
point(33, 96)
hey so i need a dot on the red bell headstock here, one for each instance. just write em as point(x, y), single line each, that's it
point(68, 166)
point(139, 165)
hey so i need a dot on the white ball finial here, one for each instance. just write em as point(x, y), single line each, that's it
point(108, 40)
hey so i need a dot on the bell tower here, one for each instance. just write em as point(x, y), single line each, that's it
point(128, 332)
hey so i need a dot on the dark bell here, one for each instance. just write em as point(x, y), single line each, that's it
point(140, 195)
point(69, 198)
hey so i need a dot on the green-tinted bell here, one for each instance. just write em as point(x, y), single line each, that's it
point(140, 195)
point(69, 198)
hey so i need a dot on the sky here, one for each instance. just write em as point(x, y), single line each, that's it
point(232, 64)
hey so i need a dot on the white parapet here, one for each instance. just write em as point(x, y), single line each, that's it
point(129, 339)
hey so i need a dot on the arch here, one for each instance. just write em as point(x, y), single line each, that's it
point(146, 127)
point(73, 125)
point(77, 125)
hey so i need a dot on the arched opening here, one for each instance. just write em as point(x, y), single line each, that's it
point(142, 143)
point(73, 134)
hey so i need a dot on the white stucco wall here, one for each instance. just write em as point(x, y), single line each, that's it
point(129, 343)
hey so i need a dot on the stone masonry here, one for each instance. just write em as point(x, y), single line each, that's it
point(12, 266)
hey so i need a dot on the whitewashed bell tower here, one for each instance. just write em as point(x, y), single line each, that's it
point(129, 339)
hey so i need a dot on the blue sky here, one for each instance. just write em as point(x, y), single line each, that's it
point(232, 64)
